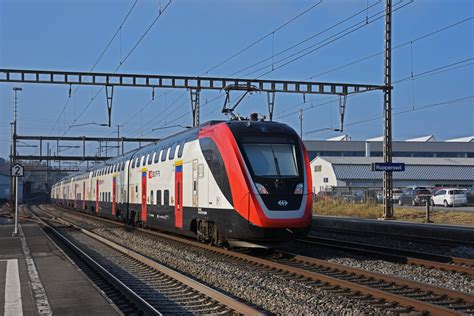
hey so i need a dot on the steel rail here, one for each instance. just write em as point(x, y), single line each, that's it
point(139, 302)
point(374, 292)
point(232, 303)
point(423, 239)
point(428, 260)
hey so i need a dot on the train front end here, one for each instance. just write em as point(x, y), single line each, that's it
point(270, 180)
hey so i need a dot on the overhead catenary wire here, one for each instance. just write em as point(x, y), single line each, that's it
point(161, 12)
point(393, 48)
point(322, 32)
point(304, 52)
point(271, 33)
point(373, 118)
point(440, 69)
point(305, 40)
point(95, 63)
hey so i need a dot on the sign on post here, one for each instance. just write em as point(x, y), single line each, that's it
point(17, 170)
point(388, 166)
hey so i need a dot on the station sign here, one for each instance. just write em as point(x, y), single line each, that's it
point(17, 170)
point(388, 166)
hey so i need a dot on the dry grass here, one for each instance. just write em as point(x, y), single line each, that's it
point(338, 208)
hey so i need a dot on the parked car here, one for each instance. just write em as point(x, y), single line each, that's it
point(397, 193)
point(395, 196)
point(470, 196)
point(449, 197)
point(414, 196)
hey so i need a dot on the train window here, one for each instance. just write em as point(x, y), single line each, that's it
point(133, 164)
point(181, 148)
point(137, 162)
point(172, 150)
point(151, 197)
point(142, 161)
point(108, 196)
point(163, 154)
point(166, 198)
point(157, 156)
point(150, 159)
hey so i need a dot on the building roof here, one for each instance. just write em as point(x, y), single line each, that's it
point(375, 139)
point(415, 168)
point(340, 138)
point(468, 139)
point(407, 160)
point(423, 139)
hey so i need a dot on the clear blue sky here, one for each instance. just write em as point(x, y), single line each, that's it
point(192, 36)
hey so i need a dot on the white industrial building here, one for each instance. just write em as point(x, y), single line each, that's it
point(356, 172)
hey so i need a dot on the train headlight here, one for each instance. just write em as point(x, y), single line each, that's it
point(299, 188)
point(261, 189)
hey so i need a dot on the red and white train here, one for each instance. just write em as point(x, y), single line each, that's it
point(220, 182)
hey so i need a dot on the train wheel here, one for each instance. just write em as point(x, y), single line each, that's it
point(217, 238)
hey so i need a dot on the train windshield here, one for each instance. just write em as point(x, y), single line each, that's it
point(272, 160)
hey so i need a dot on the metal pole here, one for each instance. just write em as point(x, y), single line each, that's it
point(15, 111)
point(118, 136)
point(12, 185)
point(301, 123)
point(428, 220)
point(16, 207)
point(387, 140)
point(47, 171)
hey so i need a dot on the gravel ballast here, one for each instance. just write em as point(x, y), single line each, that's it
point(274, 293)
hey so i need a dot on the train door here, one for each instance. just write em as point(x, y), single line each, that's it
point(97, 196)
point(144, 194)
point(195, 199)
point(114, 196)
point(84, 195)
point(178, 189)
point(75, 195)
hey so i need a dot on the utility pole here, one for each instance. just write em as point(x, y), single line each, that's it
point(47, 172)
point(300, 116)
point(387, 132)
point(118, 140)
point(13, 151)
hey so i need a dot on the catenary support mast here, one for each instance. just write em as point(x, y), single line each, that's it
point(387, 139)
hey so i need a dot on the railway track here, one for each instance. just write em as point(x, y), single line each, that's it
point(422, 239)
point(135, 283)
point(387, 292)
point(428, 260)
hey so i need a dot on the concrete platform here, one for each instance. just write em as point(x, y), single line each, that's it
point(450, 232)
point(36, 277)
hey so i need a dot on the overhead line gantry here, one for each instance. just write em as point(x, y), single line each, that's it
point(193, 84)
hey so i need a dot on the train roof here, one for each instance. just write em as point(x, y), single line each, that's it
point(237, 126)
